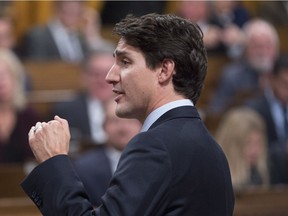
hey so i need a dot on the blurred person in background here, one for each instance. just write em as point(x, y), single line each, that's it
point(16, 118)
point(247, 76)
point(7, 37)
point(8, 41)
point(217, 39)
point(67, 36)
point(230, 16)
point(241, 134)
point(96, 167)
point(198, 12)
point(272, 105)
point(58, 39)
point(91, 28)
point(229, 12)
point(86, 113)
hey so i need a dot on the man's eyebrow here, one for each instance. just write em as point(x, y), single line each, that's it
point(119, 53)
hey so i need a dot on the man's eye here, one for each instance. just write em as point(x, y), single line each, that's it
point(124, 61)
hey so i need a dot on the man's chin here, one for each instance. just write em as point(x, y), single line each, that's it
point(120, 111)
point(124, 113)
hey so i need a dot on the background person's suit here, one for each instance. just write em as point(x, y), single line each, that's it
point(39, 44)
point(175, 168)
point(261, 105)
point(94, 170)
point(276, 154)
point(76, 113)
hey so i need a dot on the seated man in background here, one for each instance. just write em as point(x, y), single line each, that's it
point(68, 36)
point(86, 113)
point(58, 39)
point(272, 105)
point(96, 167)
point(244, 77)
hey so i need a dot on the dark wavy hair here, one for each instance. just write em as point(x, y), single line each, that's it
point(162, 37)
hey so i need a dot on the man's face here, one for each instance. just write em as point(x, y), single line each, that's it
point(96, 71)
point(70, 13)
point(196, 11)
point(133, 83)
point(261, 52)
point(6, 83)
point(6, 35)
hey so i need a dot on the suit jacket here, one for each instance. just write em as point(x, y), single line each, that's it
point(39, 44)
point(94, 170)
point(236, 78)
point(261, 105)
point(175, 168)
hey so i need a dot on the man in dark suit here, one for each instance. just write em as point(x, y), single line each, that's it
point(59, 39)
point(272, 105)
point(173, 166)
point(96, 166)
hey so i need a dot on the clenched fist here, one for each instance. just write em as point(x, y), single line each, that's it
point(48, 139)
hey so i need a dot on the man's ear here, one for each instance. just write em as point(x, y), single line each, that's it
point(167, 71)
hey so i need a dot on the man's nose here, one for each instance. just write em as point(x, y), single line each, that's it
point(112, 75)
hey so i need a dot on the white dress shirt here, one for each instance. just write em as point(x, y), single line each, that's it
point(114, 157)
point(67, 42)
point(96, 116)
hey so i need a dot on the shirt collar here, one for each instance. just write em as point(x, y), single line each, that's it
point(154, 115)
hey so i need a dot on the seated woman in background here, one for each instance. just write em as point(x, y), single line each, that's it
point(16, 118)
point(241, 134)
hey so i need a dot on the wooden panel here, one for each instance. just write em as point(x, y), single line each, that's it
point(283, 35)
point(11, 176)
point(20, 206)
point(13, 200)
point(262, 202)
point(54, 75)
point(52, 82)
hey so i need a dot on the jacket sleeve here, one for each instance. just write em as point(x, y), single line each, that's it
point(56, 189)
point(139, 186)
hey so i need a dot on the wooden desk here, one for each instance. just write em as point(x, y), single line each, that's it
point(262, 202)
point(18, 206)
point(11, 176)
